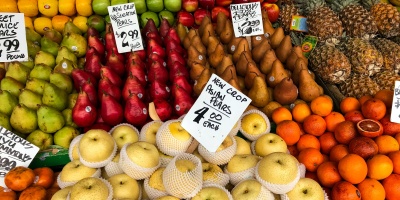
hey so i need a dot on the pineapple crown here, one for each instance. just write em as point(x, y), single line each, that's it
point(338, 6)
point(369, 3)
point(306, 6)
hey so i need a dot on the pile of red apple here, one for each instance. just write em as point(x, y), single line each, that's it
point(118, 87)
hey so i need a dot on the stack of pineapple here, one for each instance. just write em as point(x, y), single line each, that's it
point(358, 42)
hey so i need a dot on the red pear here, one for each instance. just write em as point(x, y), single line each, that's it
point(93, 65)
point(174, 56)
point(136, 70)
point(155, 57)
point(134, 59)
point(182, 101)
point(115, 79)
point(91, 91)
point(113, 51)
point(171, 44)
point(149, 27)
point(115, 63)
point(135, 111)
point(140, 54)
point(154, 36)
point(183, 83)
point(154, 47)
point(109, 38)
point(80, 76)
point(105, 85)
point(164, 27)
point(176, 70)
point(163, 109)
point(90, 52)
point(159, 90)
point(95, 42)
point(174, 35)
point(91, 31)
point(111, 110)
point(133, 87)
point(84, 113)
point(102, 126)
point(157, 72)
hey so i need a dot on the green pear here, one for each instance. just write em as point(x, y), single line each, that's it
point(54, 97)
point(46, 58)
point(30, 63)
point(63, 52)
point(36, 85)
point(11, 85)
point(32, 48)
point(50, 119)
point(64, 136)
point(5, 121)
point(23, 119)
point(81, 63)
point(53, 35)
point(41, 71)
point(62, 81)
point(49, 46)
point(72, 100)
point(40, 139)
point(70, 27)
point(76, 43)
point(65, 66)
point(32, 35)
point(18, 71)
point(8, 102)
point(30, 99)
point(67, 113)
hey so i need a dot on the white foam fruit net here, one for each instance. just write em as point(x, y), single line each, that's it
point(220, 179)
point(220, 157)
point(153, 193)
point(165, 160)
point(236, 177)
point(113, 168)
point(132, 169)
point(167, 143)
point(143, 136)
point(183, 184)
point(253, 137)
point(264, 193)
point(235, 128)
point(73, 151)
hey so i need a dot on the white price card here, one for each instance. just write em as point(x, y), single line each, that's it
point(13, 45)
point(15, 151)
point(395, 114)
point(215, 113)
point(126, 27)
point(247, 19)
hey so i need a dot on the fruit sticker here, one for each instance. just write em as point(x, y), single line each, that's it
point(215, 113)
point(395, 114)
point(247, 19)
point(13, 45)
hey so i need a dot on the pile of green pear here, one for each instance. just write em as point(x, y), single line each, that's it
point(37, 96)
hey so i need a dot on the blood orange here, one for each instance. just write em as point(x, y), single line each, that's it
point(370, 128)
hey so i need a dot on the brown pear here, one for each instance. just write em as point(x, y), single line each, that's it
point(267, 25)
point(308, 88)
point(229, 73)
point(291, 60)
point(258, 93)
point(256, 40)
point(251, 72)
point(232, 45)
point(196, 42)
point(182, 31)
point(196, 70)
point(221, 21)
point(299, 52)
point(241, 64)
point(241, 83)
point(195, 56)
point(213, 41)
point(201, 81)
point(207, 33)
point(227, 34)
point(250, 107)
point(277, 37)
point(259, 51)
point(216, 57)
point(267, 60)
point(285, 92)
point(234, 83)
point(204, 22)
point(225, 62)
point(242, 46)
point(188, 38)
point(299, 65)
point(284, 49)
point(276, 74)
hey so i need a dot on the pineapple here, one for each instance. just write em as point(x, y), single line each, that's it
point(386, 16)
point(330, 64)
point(385, 79)
point(357, 21)
point(358, 85)
point(322, 22)
point(363, 56)
point(396, 39)
point(390, 51)
point(286, 14)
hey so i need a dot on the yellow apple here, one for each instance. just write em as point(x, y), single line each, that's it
point(124, 134)
point(95, 146)
point(75, 171)
point(243, 147)
point(90, 188)
point(168, 198)
point(178, 131)
point(184, 165)
point(212, 193)
point(143, 154)
point(61, 194)
point(228, 141)
point(149, 131)
point(306, 188)
point(240, 163)
point(124, 187)
point(251, 189)
point(269, 143)
point(255, 124)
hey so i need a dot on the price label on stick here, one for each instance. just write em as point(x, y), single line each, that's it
point(13, 45)
point(126, 27)
point(15, 151)
point(395, 114)
point(247, 19)
point(215, 113)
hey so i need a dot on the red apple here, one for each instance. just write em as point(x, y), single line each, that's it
point(223, 2)
point(240, 1)
point(207, 4)
point(199, 14)
point(185, 18)
point(190, 5)
point(218, 9)
point(272, 10)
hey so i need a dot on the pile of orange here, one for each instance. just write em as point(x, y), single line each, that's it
point(355, 149)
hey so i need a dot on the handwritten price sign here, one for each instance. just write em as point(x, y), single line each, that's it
point(247, 19)
point(395, 114)
point(126, 27)
point(215, 112)
point(13, 45)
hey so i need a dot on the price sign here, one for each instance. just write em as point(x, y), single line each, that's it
point(215, 113)
point(126, 27)
point(247, 19)
point(13, 45)
point(395, 114)
point(15, 151)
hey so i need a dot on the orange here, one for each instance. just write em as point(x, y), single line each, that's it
point(293, 150)
point(19, 178)
point(289, 131)
point(311, 175)
point(45, 177)
point(397, 137)
point(373, 109)
point(322, 105)
point(269, 108)
point(332, 120)
point(308, 141)
point(344, 190)
point(281, 114)
point(7, 194)
point(328, 174)
point(353, 116)
point(395, 157)
point(364, 99)
point(327, 142)
point(349, 104)
point(314, 125)
point(338, 152)
point(386, 144)
point(392, 187)
point(389, 128)
point(371, 189)
point(33, 192)
point(386, 96)
point(58, 22)
point(353, 168)
point(311, 158)
point(345, 132)
point(369, 128)
point(300, 112)
point(379, 167)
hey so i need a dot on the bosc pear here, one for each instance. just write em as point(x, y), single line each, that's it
point(267, 60)
point(201, 82)
point(216, 57)
point(194, 56)
point(198, 44)
point(227, 34)
point(241, 64)
point(221, 21)
point(251, 72)
point(225, 62)
point(196, 70)
point(308, 88)
point(208, 32)
point(259, 50)
point(277, 37)
point(189, 37)
point(50, 119)
point(255, 40)
point(284, 49)
point(229, 73)
point(276, 74)
point(204, 23)
point(242, 46)
point(213, 41)
point(258, 93)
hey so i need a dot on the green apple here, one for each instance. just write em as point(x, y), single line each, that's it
point(306, 188)
point(143, 154)
point(118, 2)
point(212, 193)
point(124, 187)
point(98, 22)
point(250, 189)
point(40, 139)
point(65, 135)
point(100, 7)
point(149, 15)
point(96, 145)
point(269, 143)
point(155, 5)
point(75, 171)
point(91, 188)
point(140, 6)
point(124, 134)
point(173, 5)
point(167, 15)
